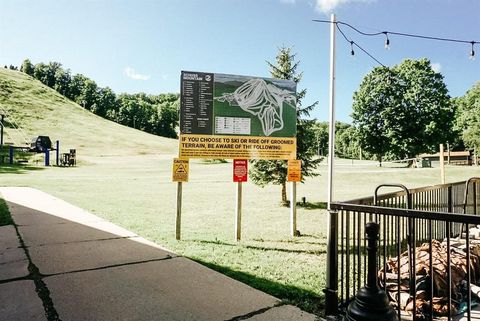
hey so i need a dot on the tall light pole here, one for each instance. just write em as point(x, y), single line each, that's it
point(331, 297)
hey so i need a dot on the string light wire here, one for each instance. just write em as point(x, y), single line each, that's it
point(353, 43)
point(402, 34)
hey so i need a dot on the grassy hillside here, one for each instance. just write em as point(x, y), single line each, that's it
point(40, 110)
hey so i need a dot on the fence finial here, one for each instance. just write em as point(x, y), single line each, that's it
point(371, 303)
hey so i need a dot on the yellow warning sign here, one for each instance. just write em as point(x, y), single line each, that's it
point(294, 170)
point(237, 147)
point(180, 170)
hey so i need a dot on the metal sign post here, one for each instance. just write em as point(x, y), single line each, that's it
point(180, 171)
point(294, 175)
point(240, 175)
point(293, 209)
point(238, 212)
point(178, 221)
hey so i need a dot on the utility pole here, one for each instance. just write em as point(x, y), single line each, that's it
point(331, 295)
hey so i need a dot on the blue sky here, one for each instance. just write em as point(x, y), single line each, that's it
point(142, 45)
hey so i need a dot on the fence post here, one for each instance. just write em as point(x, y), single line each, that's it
point(371, 303)
point(331, 290)
point(474, 191)
point(57, 154)
point(47, 157)
point(450, 199)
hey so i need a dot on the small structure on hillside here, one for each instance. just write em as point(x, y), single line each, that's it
point(452, 158)
point(69, 159)
point(40, 144)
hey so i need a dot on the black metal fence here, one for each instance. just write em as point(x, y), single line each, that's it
point(429, 218)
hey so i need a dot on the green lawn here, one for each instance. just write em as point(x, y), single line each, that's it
point(5, 218)
point(137, 193)
point(124, 175)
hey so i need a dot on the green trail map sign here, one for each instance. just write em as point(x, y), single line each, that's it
point(231, 116)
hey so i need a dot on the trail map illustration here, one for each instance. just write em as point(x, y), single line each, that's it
point(263, 100)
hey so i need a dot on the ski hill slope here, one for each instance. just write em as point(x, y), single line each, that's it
point(39, 110)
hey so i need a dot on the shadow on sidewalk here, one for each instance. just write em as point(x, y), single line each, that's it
point(309, 301)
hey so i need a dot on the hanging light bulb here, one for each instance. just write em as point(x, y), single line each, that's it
point(472, 52)
point(387, 41)
point(351, 48)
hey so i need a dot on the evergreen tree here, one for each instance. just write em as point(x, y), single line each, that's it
point(265, 172)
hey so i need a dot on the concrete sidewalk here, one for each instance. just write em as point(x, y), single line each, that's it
point(63, 263)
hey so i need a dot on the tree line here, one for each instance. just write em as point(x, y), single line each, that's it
point(402, 111)
point(398, 112)
point(347, 142)
point(155, 114)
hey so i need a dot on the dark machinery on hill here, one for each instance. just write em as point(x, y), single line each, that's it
point(40, 144)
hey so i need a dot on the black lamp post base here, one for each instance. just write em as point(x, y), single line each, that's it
point(370, 305)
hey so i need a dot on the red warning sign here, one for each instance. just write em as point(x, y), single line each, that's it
point(240, 170)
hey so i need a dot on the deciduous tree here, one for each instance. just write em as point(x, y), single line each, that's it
point(27, 67)
point(468, 116)
point(402, 111)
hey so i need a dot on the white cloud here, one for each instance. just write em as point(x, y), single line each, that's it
point(327, 6)
point(436, 66)
point(132, 73)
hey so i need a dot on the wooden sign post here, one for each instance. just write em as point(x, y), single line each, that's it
point(294, 175)
point(179, 175)
point(240, 175)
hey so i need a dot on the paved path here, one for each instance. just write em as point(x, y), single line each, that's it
point(63, 263)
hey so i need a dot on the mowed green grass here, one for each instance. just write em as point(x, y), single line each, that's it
point(5, 218)
point(137, 193)
point(125, 176)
